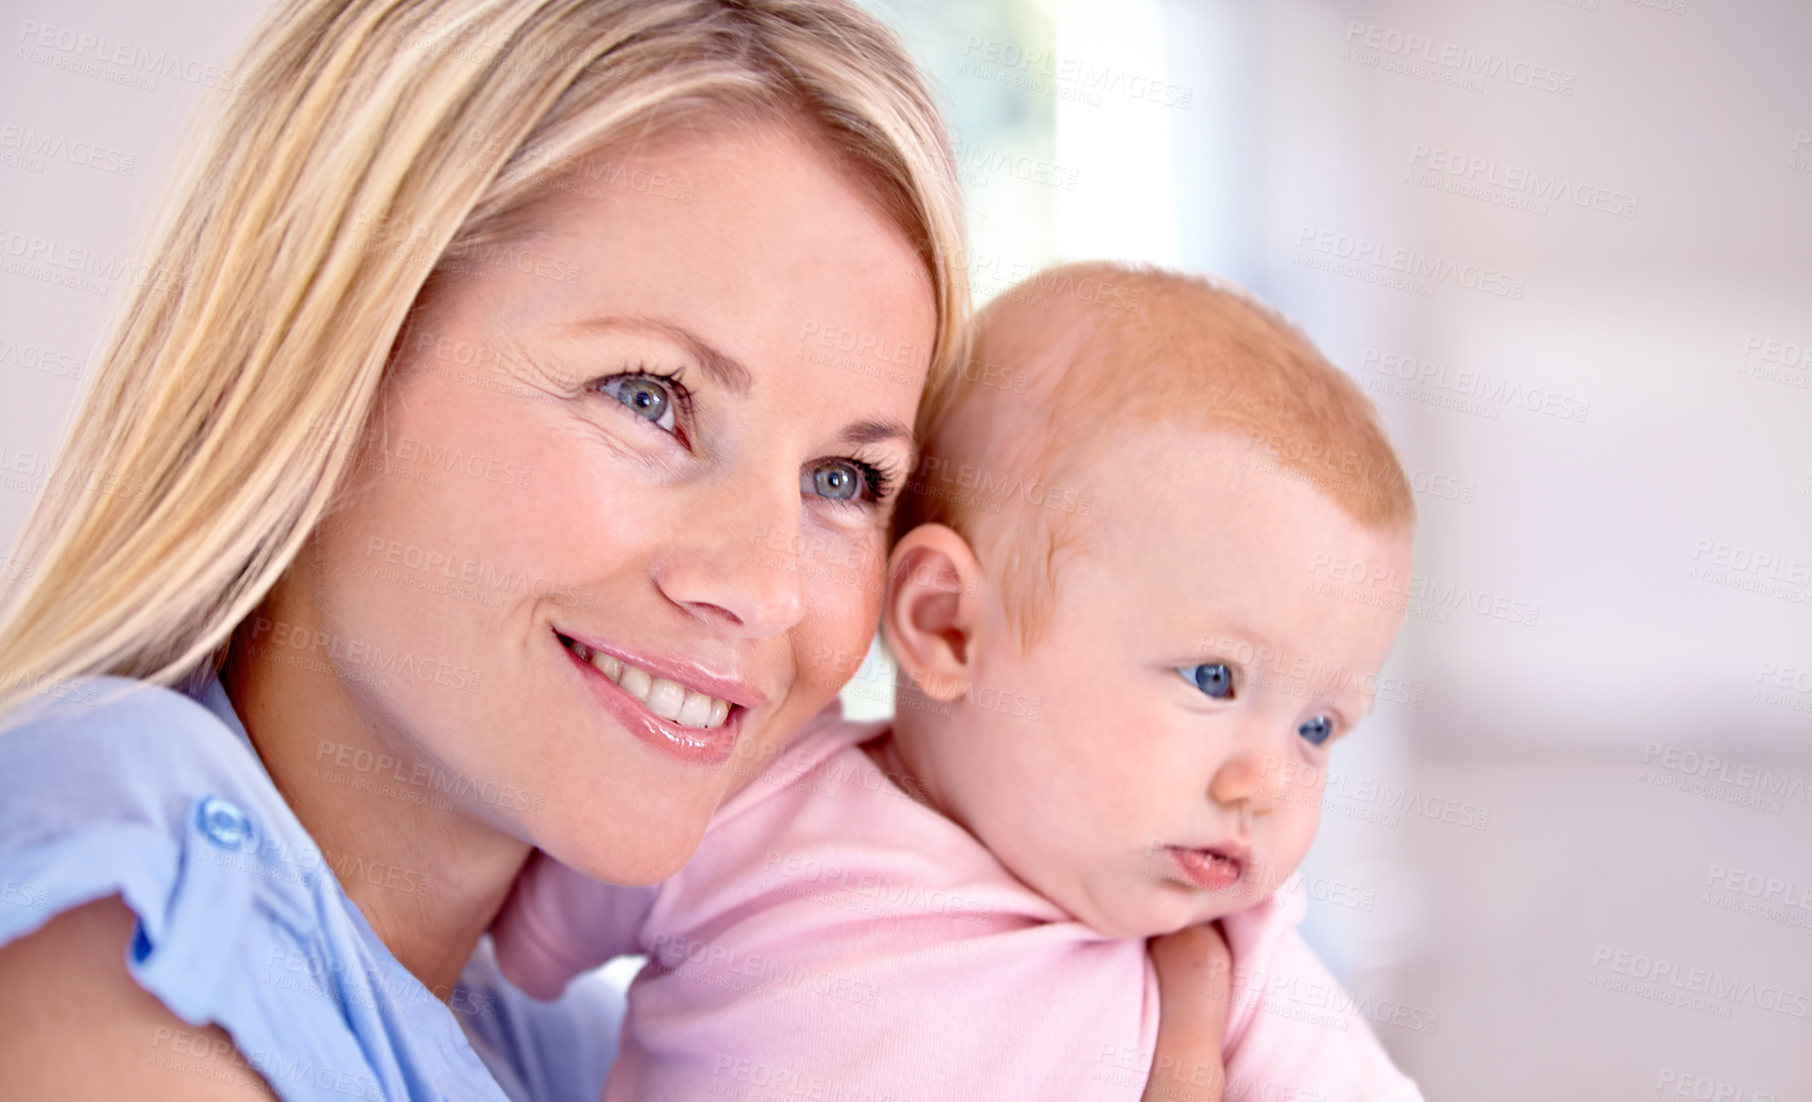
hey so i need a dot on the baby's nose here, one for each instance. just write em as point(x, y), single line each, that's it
point(1251, 777)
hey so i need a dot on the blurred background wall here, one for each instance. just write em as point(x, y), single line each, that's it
point(1566, 246)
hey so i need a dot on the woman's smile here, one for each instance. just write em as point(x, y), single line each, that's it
point(671, 703)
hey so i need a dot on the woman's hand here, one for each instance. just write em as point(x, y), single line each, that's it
point(1195, 982)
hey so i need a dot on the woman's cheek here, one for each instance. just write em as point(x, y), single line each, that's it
point(834, 638)
point(828, 647)
point(843, 607)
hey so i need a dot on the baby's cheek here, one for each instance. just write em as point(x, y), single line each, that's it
point(1294, 823)
point(1305, 820)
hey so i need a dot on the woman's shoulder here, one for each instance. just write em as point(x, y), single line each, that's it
point(120, 788)
point(115, 749)
point(102, 789)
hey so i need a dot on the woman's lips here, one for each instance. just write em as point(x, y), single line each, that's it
point(727, 686)
point(699, 745)
point(1213, 869)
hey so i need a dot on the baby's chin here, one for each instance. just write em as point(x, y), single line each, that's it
point(1166, 908)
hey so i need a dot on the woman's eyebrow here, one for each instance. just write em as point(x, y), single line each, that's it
point(724, 369)
point(873, 432)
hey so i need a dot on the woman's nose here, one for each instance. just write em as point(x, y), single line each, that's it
point(738, 566)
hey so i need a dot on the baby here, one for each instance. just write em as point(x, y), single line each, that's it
point(1122, 673)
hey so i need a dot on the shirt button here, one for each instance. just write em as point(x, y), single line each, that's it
point(224, 824)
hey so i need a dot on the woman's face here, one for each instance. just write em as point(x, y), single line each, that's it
point(664, 432)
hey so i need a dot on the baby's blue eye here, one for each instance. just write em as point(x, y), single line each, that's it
point(1316, 730)
point(1213, 678)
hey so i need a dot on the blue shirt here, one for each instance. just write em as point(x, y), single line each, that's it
point(124, 788)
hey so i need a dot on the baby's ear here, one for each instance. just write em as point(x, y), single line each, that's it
point(935, 588)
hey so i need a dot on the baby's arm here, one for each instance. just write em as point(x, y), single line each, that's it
point(1195, 973)
point(557, 923)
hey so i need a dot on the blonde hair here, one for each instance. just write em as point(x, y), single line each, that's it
point(219, 418)
point(1083, 352)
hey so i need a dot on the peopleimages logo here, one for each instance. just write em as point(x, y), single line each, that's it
point(32, 357)
point(1797, 158)
point(1772, 359)
point(46, 145)
point(1711, 769)
point(1457, 59)
point(1471, 169)
point(1364, 257)
point(1489, 392)
point(133, 64)
point(1769, 573)
point(1755, 885)
point(51, 261)
point(281, 637)
point(1704, 989)
point(1419, 594)
point(1672, 1081)
point(978, 164)
point(487, 580)
point(1073, 77)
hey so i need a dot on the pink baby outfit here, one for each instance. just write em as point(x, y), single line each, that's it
point(836, 940)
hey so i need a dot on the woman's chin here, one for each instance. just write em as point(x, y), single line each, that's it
point(629, 855)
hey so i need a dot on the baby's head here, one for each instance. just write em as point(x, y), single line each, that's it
point(1122, 664)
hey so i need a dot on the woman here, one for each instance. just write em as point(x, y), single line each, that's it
point(482, 482)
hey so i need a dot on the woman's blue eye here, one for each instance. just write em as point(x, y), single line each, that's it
point(838, 481)
point(646, 396)
point(1213, 678)
point(1316, 730)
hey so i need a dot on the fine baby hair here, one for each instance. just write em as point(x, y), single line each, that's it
point(1083, 352)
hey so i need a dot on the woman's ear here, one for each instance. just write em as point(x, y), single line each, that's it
point(931, 617)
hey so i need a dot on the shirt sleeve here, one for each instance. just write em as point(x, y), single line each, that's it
point(558, 923)
point(1306, 1038)
point(140, 799)
point(142, 793)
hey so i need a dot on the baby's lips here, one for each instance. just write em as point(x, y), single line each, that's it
point(1211, 868)
point(1237, 849)
point(1201, 859)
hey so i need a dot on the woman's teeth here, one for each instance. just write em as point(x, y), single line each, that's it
point(668, 699)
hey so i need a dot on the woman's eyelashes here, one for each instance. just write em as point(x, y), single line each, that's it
point(662, 400)
point(658, 398)
point(846, 481)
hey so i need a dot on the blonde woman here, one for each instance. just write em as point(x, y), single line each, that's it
point(474, 474)
point(502, 458)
